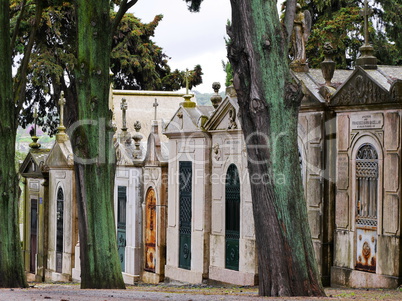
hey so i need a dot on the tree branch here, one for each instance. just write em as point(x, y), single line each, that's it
point(17, 26)
point(289, 18)
point(19, 91)
point(124, 7)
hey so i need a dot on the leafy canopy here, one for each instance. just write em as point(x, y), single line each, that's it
point(137, 63)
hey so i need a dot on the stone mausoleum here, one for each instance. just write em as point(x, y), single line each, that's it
point(183, 207)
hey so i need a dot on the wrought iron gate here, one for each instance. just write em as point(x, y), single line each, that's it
point(34, 235)
point(150, 231)
point(366, 208)
point(185, 215)
point(121, 224)
point(59, 230)
point(232, 230)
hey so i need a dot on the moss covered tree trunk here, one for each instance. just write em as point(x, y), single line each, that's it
point(94, 154)
point(11, 269)
point(269, 103)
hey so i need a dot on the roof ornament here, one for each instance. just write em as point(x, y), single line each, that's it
point(123, 107)
point(367, 60)
point(137, 140)
point(187, 103)
point(61, 135)
point(216, 99)
point(328, 65)
point(34, 144)
point(155, 105)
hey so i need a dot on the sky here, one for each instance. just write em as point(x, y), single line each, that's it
point(190, 38)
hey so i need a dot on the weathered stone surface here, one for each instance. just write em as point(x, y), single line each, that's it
point(314, 191)
point(342, 209)
point(342, 168)
point(217, 217)
point(314, 218)
point(392, 131)
point(391, 210)
point(343, 132)
point(391, 176)
point(358, 279)
point(388, 255)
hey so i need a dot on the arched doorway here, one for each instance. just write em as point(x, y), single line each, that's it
point(59, 230)
point(366, 192)
point(232, 229)
point(150, 230)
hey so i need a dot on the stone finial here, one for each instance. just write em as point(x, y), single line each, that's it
point(187, 103)
point(366, 60)
point(216, 99)
point(137, 137)
point(34, 144)
point(61, 135)
point(123, 107)
point(328, 65)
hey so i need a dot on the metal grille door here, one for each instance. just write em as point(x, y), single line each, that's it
point(59, 230)
point(366, 208)
point(185, 215)
point(232, 232)
point(121, 224)
point(34, 235)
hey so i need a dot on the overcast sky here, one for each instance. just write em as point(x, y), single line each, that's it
point(190, 38)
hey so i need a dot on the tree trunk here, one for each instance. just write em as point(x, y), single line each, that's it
point(269, 103)
point(93, 149)
point(11, 269)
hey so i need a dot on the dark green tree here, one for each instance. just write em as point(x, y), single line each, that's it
point(137, 63)
point(340, 23)
point(11, 268)
point(269, 103)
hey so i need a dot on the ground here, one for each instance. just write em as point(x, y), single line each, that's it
point(174, 292)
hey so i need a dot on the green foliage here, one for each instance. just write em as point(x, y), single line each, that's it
point(136, 61)
point(194, 5)
point(227, 67)
point(340, 23)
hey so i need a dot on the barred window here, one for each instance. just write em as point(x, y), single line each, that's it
point(366, 185)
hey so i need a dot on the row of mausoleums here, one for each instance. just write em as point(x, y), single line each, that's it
point(184, 212)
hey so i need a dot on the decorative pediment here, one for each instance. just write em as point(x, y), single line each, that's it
point(360, 89)
point(124, 154)
point(225, 117)
point(33, 165)
point(184, 120)
point(61, 156)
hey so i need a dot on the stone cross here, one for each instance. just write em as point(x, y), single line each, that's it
point(155, 105)
point(366, 12)
point(186, 76)
point(62, 103)
point(123, 107)
point(35, 116)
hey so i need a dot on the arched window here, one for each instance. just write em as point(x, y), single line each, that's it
point(232, 233)
point(366, 185)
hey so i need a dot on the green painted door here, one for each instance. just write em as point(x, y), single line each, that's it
point(232, 229)
point(59, 230)
point(185, 213)
point(121, 224)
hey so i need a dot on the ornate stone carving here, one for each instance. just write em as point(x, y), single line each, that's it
point(232, 119)
point(361, 90)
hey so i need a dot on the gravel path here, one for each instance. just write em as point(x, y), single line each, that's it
point(72, 292)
